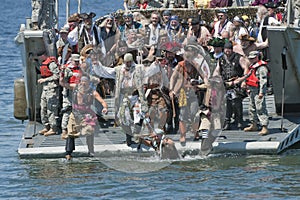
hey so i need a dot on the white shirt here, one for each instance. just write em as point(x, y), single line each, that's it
point(219, 30)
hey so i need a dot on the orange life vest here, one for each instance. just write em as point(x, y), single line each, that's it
point(44, 69)
point(252, 80)
point(76, 75)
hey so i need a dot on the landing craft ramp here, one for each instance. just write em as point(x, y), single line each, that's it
point(110, 141)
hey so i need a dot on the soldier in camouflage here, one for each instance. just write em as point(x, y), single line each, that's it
point(69, 77)
point(257, 83)
point(50, 95)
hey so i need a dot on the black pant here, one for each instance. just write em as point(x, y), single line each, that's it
point(234, 106)
point(70, 145)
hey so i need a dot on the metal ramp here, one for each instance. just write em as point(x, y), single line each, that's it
point(110, 140)
point(290, 141)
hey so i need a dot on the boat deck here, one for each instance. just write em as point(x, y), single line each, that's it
point(110, 140)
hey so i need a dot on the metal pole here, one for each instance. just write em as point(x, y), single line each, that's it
point(284, 67)
point(57, 13)
point(67, 10)
point(79, 6)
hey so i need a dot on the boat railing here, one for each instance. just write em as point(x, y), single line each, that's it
point(55, 7)
point(68, 8)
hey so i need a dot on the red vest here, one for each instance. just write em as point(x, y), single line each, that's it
point(44, 69)
point(76, 75)
point(252, 80)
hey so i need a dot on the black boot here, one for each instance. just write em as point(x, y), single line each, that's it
point(226, 125)
point(129, 141)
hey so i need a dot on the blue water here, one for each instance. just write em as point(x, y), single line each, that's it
point(217, 177)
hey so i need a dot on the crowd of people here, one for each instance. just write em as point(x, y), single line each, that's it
point(157, 69)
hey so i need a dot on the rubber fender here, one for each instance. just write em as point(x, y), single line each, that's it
point(20, 103)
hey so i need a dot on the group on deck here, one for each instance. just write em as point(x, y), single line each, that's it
point(176, 74)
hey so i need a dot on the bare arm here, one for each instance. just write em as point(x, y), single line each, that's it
point(262, 45)
point(101, 100)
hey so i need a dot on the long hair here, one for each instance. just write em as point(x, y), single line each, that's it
point(103, 23)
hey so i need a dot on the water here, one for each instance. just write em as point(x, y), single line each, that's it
point(216, 177)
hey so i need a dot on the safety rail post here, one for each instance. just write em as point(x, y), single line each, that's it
point(57, 13)
point(67, 10)
point(79, 6)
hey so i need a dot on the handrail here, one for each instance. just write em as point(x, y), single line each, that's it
point(57, 13)
point(68, 8)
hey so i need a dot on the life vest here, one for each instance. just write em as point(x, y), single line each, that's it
point(75, 78)
point(44, 69)
point(252, 80)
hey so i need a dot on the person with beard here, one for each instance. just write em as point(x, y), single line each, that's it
point(128, 25)
point(238, 29)
point(108, 33)
point(249, 44)
point(265, 20)
point(223, 23)
point(231, 66)
point(174, 29)
point(63, 39)
point(153, 30)
point(85, 33)
point(199, 108)
point(166, 18)
point(169, 50)
point(199, 31)
point(183, 88)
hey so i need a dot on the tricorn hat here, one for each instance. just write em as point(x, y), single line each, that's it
point(87, 15)
point(271, 5)
point(216, 42)
point(74, 18)
point(221, 11)
point(195, 21)
point(246, 37)
point(171, 46)
point(86, 50)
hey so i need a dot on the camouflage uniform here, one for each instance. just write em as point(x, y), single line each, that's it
point(67, 102)
point(50, 98)
point(257, 107)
